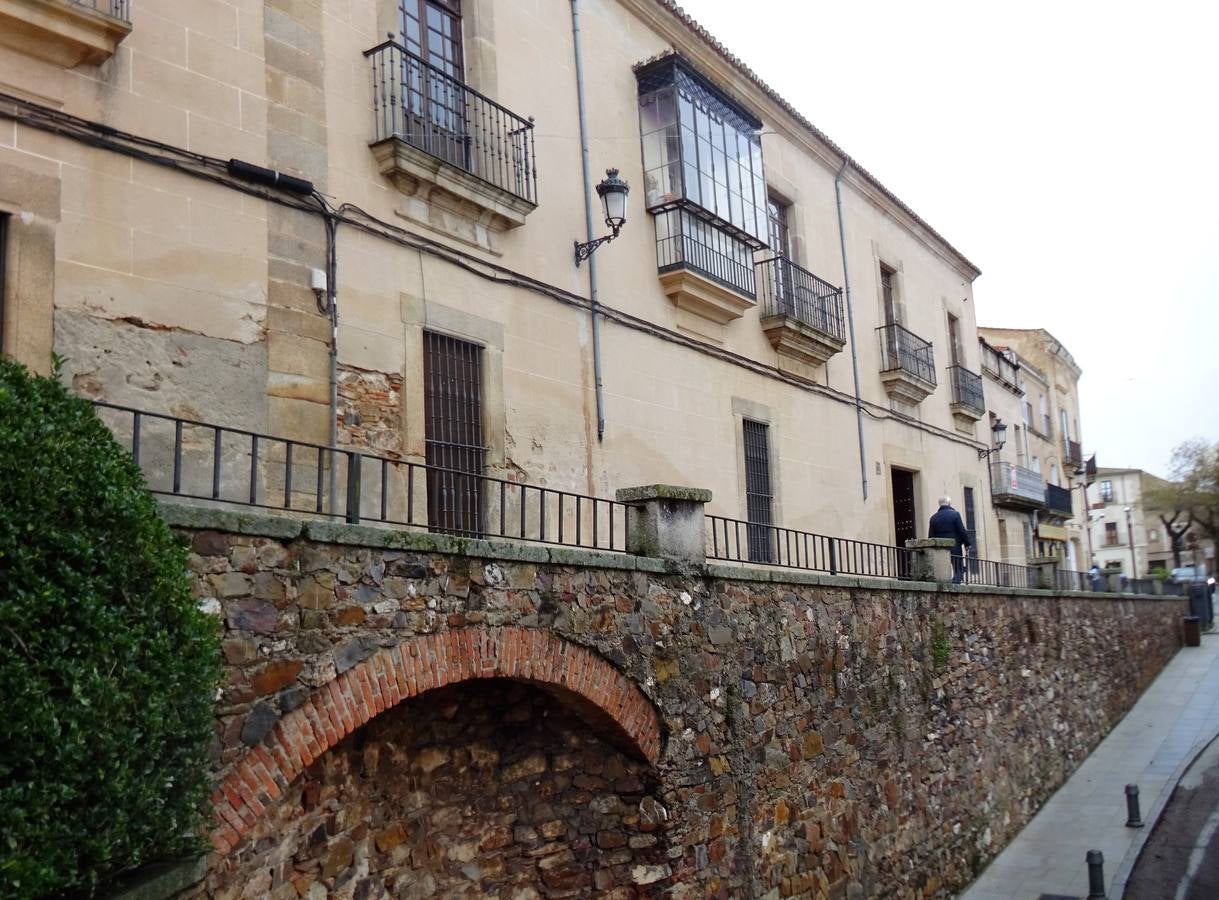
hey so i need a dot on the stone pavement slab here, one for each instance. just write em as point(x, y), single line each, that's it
point(1173, 720)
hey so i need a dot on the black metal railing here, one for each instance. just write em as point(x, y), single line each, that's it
point(785, 289)
point(213, 463)
point(118, 9)
point(684, 241)
point(1072, 453)
point(901, 349)
point(999, 366)
point(1058, 500)
point(967, 389)
point(1071, 580)
point(990, 573)
point(434, 111)
point(734, 540)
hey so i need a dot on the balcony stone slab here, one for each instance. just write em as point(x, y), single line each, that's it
point(703, 296)
point(60, 31)
point(906, 387)
point(447, 198)
point(799, 341)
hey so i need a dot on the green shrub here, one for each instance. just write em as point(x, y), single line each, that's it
point(108, 667)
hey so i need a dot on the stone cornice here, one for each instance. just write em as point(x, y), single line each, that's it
point(697, 46)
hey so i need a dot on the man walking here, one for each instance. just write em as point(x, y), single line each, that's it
point(947, 523)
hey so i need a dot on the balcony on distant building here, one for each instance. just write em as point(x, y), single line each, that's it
point(968, 402)
point(1058, 501)
point(1016, 487)
point(1072, 454)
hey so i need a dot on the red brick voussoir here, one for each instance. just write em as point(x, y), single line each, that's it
point(392, 675)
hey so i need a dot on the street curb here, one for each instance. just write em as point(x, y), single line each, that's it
point(1117, 888)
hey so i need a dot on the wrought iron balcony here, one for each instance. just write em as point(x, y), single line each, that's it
point(967, 397)
point(1072, 454)
point(117, 9)
point(907, 364)
point(420, 107)
point(999, 367)
point(1058, 501)
point(1017, 487)
point(801, 313)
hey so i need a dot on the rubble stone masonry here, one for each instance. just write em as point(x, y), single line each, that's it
point(413, 715)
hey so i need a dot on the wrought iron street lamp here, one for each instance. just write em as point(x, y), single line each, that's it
point(612, 190)
point(999, 432)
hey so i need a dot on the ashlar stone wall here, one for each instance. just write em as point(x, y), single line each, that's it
point(413, 715)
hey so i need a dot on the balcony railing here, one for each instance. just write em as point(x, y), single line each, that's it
point(684, 241)
point(118, 9)
point(967, 389)
point(1013, 485)
point(1058, 500)
point(999, 366)
point(903, 350)
point(430, 109)
point(211, 463)
point(785, 289)
point(1072, 453)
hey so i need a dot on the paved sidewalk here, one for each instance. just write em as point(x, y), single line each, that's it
point(1173, 720)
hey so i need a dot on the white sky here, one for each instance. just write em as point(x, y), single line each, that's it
point(1069, 149)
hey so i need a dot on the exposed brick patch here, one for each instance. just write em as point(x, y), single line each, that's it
point(420, 664)
point(370, 410)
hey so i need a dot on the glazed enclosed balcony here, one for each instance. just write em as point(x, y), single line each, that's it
point(1058, 501)
point(907, 364)
point(968, 402)
point(801, 313)
point(444, 143)
point(1016, 487)
point(68, 33)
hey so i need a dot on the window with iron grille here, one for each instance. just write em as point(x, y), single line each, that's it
point(970, 522)
point(453, 423)
point(1111, 536)
point(758, 494)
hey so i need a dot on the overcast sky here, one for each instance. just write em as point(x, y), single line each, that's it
point(1069, 149)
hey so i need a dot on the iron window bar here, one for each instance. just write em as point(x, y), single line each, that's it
point(785, 289)
point(210, 463)
point(903, 350)
point(433, 111)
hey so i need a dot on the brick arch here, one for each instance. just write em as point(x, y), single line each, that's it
point(342, 705)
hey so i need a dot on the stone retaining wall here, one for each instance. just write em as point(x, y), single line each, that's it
point(793, 734)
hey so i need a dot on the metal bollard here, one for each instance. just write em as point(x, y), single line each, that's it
point(1133, 819)
point(1096, 875)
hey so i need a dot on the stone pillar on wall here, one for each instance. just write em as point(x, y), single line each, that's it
point(666, 521)
point(931, 559)
point(1046, 566)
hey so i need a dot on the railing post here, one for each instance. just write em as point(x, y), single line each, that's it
point(1047, 572)
point(931, 559)
point(354, 465)
point(666, 521)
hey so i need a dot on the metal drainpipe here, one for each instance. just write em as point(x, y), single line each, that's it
point(588, 219)
point(846, 289)
point(333, 309)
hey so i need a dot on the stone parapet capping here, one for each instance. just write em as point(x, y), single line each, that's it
point(931, 559)
point(666, 522)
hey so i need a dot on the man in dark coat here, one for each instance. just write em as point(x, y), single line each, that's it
point(947, 523)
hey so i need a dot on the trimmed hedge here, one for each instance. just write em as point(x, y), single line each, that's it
point(108, 666)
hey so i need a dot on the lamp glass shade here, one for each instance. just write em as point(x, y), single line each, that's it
point(1000, 432)
point(613, 191)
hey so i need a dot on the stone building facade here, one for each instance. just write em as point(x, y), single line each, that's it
point(442, 141)
point(1045, 445)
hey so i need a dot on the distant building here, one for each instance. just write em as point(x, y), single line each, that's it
point(1044, 453)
